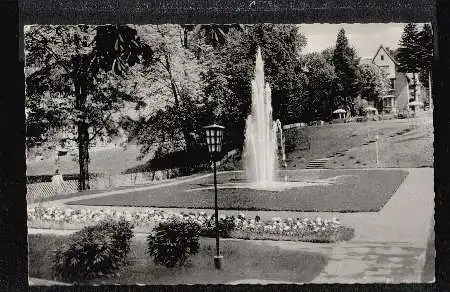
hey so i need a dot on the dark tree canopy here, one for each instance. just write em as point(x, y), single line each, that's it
point(408, 53)
point(346, 63)
point(73, 82)
point(425, 39)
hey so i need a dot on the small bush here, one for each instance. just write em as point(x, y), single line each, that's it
point(94, 251)
point(226, 225)
point(173, 241)
point(362, 119)
point(121, 233)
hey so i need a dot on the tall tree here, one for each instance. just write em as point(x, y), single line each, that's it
point(320, 72)
point(373, 83)
point(72, 82)
point(426, 45)
point(178, 87)
point(426, 54)
point(280, 45)
point(346, 63)
point(409, 53)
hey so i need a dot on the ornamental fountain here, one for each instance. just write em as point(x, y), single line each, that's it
point(260, 148)
point(261, 141)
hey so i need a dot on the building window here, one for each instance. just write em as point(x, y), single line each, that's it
point(382, 57)
point(392, 83)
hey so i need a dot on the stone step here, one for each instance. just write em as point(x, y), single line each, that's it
point(317, 163)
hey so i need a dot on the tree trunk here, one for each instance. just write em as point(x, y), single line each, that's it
point(185, 38)
point(83, 156)
point(80, 84)
point(430, 99)
point(176, 96)
point(415, 87)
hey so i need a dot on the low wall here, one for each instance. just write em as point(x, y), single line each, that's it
point(296, 125)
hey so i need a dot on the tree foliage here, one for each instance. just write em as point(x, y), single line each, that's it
point(346, 63)
point(320, 73)
point(373, 83)
point(176, 87)
point(76, 82)
point(409, 53)
point(230, 77)
point(425, 39)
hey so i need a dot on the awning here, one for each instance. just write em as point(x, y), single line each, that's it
point(339, 111)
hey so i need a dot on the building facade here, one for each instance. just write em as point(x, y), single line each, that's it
point(401, 90)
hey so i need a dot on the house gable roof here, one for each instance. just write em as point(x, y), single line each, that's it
point(386, 52)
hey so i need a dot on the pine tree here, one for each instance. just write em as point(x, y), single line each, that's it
point(346, 64)
point(409, 53)
point(426, 52)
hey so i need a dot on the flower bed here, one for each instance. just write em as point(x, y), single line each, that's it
point(299, 229)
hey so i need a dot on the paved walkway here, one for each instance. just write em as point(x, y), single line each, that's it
point(388, 247)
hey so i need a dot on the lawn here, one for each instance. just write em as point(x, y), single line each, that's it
point(242, 260)
point(360, 191)
point(409, 149)
point(326, 140)
point(102, 161)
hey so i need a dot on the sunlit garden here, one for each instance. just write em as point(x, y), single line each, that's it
point(202, 133)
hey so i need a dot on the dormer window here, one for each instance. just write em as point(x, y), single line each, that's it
point(382, 57)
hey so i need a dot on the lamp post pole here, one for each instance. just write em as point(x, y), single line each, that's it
point(214, 135)
point(216, 209)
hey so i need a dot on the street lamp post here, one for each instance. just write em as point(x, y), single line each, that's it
point(214, 134)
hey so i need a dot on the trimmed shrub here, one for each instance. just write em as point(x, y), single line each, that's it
point(93, 252)
point(173, 241)
point(226, 225)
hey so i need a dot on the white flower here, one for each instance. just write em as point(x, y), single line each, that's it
point(336, 220)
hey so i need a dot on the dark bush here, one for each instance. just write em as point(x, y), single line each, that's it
point(297, 139)
point(226, 225)
point(93, 252)
point(121, 232)
point(173, 241)
point(362, 119)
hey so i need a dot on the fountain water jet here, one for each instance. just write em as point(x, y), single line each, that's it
point(260, 149)
point(260, 134)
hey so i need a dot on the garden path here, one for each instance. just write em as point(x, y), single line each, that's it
point(389, 246)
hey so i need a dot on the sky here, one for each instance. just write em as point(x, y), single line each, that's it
point(365, 38)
